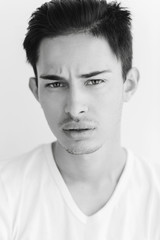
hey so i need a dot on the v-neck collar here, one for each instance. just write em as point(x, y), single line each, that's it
point(107, 208)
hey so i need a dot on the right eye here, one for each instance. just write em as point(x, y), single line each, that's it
point(55, 85)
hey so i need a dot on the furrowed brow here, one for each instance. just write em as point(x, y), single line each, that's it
point(95, 73)
point(52, 77)
point(87, 75)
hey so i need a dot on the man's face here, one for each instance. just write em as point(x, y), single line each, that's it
point(80, 89)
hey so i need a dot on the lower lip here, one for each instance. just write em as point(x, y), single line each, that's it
point(79, 135)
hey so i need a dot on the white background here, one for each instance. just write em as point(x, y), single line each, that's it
point(22, 124)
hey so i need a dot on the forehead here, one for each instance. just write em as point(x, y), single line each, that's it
point(76, 52)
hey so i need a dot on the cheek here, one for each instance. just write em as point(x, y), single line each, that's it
point(52, 108)
point(110, 99)
point(109, 106)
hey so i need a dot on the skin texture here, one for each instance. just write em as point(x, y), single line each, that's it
point(94, 103)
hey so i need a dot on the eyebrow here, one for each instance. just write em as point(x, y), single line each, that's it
point(87, 75)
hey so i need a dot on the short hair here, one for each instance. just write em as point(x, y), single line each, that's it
point(95, 17)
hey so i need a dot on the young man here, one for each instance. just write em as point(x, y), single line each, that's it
point(84, 185)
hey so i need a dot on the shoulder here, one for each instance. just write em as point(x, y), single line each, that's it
point(23, 173)
point(145, 172)
point(145, 188)
point(21, 179)
point(17, 168)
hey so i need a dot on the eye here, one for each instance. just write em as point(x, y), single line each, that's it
point(95, 82)
point(55, 85)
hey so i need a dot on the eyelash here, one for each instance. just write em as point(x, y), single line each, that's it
point(95, 81)
point(51, 85)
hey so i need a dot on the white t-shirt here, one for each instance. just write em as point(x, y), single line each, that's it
point(35, 203)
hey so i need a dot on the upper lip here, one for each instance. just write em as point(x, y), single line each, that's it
point(78, 126)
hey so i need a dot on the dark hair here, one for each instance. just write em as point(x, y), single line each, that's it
point(95, 17)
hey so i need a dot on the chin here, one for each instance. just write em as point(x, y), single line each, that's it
point(81, 149)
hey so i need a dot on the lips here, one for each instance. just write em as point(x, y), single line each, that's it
point(79, 131)
point(72, 126)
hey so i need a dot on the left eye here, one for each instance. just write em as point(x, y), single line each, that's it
point(95, 82)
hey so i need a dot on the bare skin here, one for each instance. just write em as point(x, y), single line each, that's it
point(90, 185)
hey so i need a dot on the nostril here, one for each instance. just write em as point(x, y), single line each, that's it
point(82, 111)
point(76, 109)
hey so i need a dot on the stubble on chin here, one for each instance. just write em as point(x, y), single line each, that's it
point(82, 150)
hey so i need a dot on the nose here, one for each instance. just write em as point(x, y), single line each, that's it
point(76, 105)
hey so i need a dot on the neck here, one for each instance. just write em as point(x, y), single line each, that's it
point(106, 163)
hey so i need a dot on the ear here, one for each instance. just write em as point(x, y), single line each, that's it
point(131, 83)
point(34, 88)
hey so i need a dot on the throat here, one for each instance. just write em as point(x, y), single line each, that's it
point(89, 199)
point(89, 168)
point(91, 180)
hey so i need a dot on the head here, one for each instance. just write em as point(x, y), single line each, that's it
point(95, 17)
point(81, 53)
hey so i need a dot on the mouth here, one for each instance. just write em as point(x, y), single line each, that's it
point(78, 129)
point(79, 133)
